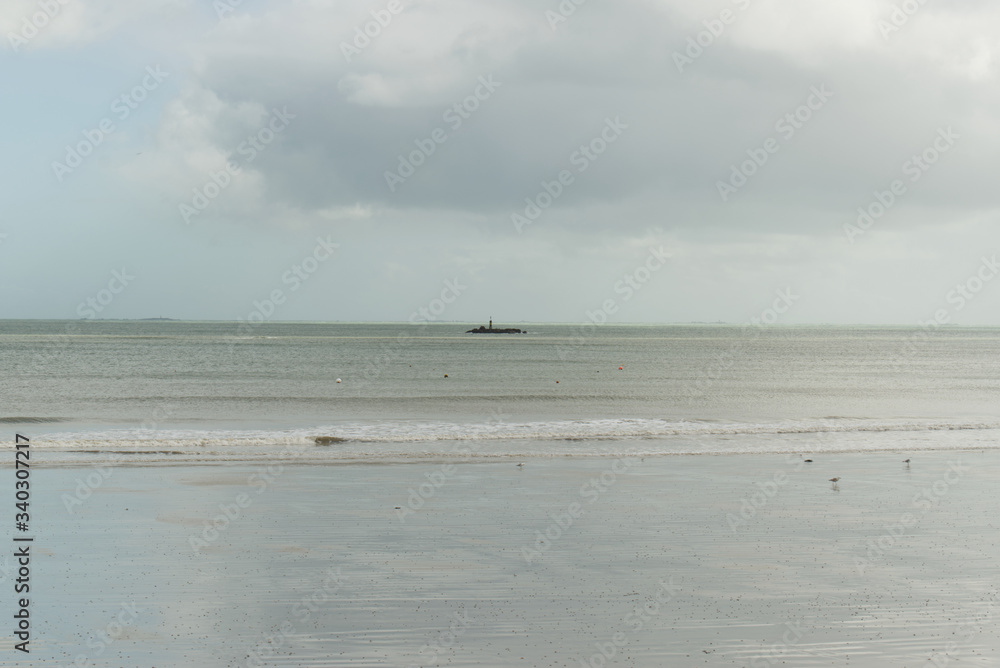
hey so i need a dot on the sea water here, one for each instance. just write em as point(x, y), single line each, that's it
point(170, 391)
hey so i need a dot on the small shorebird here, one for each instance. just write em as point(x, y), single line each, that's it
point(906, 461)
point(520, 466)
point(835, 480)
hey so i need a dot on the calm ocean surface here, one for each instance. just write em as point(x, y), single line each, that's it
point(187, 391)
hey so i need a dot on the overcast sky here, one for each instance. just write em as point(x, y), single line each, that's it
point(187, 159)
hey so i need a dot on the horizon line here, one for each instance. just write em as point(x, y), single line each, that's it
point(718, 323)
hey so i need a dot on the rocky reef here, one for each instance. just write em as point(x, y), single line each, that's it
point(483, 329)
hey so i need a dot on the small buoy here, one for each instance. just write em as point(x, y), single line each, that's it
point(338, 380)
point(620, 368)
point(446, 375)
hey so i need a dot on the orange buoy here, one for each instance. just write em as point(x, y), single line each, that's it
point(620, 368)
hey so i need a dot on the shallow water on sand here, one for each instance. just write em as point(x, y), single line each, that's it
point(709, 561)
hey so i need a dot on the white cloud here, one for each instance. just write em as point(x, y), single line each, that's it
point(657, 184)
point(58, 24)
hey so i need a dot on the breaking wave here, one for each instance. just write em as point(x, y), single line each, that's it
point(406, 441)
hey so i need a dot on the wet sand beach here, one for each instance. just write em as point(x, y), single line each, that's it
point(685, 560)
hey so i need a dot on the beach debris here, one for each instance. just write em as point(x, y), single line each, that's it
point(338, 380)
point(446, 375)
point(809, 461)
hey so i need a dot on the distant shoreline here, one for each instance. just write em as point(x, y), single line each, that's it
point(574, 323)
